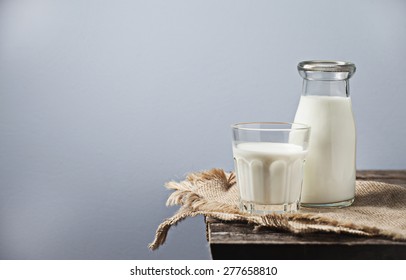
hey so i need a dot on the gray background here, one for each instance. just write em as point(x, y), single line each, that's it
point(102, 102)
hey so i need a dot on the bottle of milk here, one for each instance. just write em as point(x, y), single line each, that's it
point(325, 105)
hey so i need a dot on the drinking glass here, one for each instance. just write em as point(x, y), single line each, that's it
point(269, 159)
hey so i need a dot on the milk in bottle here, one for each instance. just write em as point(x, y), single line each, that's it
point(325, 105)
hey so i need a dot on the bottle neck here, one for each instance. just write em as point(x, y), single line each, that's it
point(326, 88)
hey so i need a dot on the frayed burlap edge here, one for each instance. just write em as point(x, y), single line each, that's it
point(193, 204)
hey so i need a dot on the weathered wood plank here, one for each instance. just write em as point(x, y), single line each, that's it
point(381, 174)
point(243, 233)
point(306, 252)
point(387, 176)
point(237, 240)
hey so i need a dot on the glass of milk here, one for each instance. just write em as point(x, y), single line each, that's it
point(269, 159)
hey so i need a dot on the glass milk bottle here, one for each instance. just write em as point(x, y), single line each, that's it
point(325, 105)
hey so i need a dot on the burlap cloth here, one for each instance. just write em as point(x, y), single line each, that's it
point(379, 209)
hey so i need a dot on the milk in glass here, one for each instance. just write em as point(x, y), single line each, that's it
point(269, 173)
point(268, 160)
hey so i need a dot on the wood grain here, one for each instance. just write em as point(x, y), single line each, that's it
point(236, 240)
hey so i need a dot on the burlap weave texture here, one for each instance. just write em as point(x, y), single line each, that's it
point(379, 209)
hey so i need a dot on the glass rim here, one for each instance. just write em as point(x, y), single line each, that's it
point(244, 126)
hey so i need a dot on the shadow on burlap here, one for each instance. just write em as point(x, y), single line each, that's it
point(379, 209)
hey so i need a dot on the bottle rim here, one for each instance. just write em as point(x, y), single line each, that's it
point(327, 66)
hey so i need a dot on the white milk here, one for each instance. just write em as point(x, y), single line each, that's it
point(329, 173)
point(269, 173)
